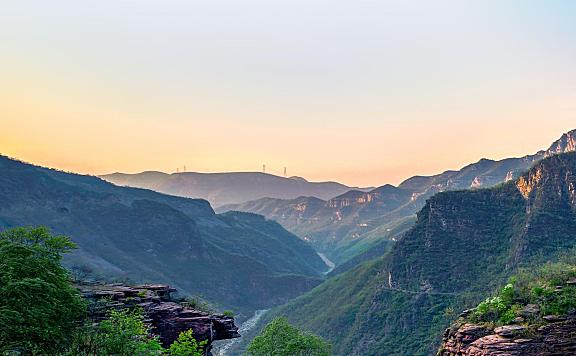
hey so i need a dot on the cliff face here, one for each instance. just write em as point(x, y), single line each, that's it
point(556, 338)
point(165, 318)
point(463, 246)
point(345, 226)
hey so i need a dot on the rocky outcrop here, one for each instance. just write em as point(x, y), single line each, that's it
point(557, 337)
point(166, 318)
point(566, 143)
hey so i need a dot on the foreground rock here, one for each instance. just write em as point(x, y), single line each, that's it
point(166, 318)
point(557, 337)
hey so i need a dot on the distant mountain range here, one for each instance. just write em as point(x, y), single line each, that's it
point(238, 260)
point(462, 247)
point(229, 188)
point(351, 224)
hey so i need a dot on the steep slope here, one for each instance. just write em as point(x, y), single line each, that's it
point(228, 188)
point(238, 260)
point(348, 225)
point(335, 223)
point(463, 246)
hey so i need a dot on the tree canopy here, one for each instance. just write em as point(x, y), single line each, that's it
point(279, 338)
point(39, 308)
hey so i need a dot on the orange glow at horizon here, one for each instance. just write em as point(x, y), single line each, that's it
point(364, 93)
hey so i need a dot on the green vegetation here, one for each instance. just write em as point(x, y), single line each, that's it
point(198, 303)
point(228, 313)
point(279, 338)
point(41, 313)
point(39, 309)
point(546, 291)
point(123, 333)
point(186, 345)
point(140, 235)
point(464, 246)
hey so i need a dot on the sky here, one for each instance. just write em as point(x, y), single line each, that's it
point(361, 92)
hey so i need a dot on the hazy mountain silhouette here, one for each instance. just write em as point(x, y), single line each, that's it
point(229, 188)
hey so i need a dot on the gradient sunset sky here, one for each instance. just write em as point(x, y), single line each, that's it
point(363, 92)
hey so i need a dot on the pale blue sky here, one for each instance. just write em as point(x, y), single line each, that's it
point(367, 92)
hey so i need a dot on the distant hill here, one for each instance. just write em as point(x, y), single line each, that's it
point(350, 224)
point(239, 260)
point(229, 188)
point(463, 246)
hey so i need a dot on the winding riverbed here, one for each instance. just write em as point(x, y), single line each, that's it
point(223, 348)
point(331, 265)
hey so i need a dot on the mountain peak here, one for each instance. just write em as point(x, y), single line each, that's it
point(566, 143)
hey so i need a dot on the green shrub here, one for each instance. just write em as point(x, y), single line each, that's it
point(198, 303)
point(279, 338)
point(123, 333)
point(545, 287)
point(228, 313)
point(186, 345)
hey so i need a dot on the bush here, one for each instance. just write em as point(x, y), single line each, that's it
point(538, 287)
point(198, 303)
point(186, 345)
point(228, 313)
point(123, 333)
point(279, 338)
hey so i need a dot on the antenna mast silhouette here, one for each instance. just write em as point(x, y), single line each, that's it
point(285, 175)
point(263, 168)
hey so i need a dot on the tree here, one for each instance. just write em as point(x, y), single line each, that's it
point(39, 307)
point(186, 345)
point(279, 338)
point(123, 333)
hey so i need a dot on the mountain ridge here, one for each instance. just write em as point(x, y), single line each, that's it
point(229, 187)
point(238, 260)
point(349, 224)
point(463, 246)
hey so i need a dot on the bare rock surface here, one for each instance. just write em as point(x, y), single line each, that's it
point(166, 318)
point(558, 337)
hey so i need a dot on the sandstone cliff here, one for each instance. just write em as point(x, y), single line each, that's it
point(558, 337)
point(165, 318)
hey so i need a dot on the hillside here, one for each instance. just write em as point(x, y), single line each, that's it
point(238, 260)
point(229, 188)
point(348, 225)
point(463, 246)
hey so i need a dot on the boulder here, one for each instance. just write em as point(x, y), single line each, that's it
point(509, 331)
